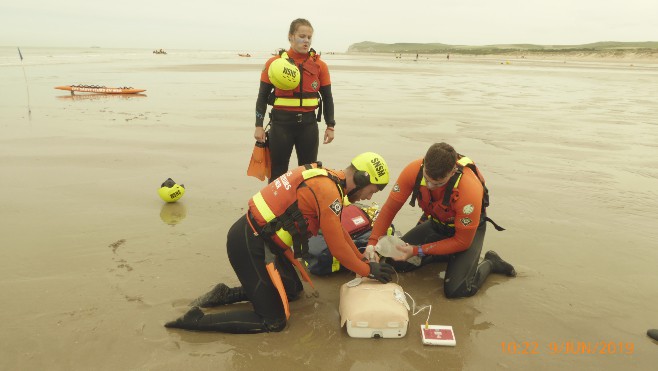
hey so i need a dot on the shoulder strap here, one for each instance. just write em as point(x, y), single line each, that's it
point(450, 186)
point(416, 191)
point(485, 198)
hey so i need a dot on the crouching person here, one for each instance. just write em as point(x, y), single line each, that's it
point(264, 246)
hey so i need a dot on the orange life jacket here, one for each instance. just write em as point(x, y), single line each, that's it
point(442, 210)
point(307, 93)
point(276, 214)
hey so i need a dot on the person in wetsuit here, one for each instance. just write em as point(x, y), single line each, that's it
point(451, 192)
point(264, 245)
point(293, 119)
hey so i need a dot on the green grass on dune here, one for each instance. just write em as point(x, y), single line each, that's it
point(603, 48)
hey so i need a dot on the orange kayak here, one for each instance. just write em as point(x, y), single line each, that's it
point(99, 89)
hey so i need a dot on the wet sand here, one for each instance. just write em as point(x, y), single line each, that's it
point(93, 263)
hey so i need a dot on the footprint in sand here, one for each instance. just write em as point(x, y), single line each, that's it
point(122, 263)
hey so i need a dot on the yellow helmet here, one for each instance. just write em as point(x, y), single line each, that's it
point(371, 169)
point(170, 191)
point(283, 73)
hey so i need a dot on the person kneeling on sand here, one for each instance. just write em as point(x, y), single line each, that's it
point(451, 192)
point(263, 246)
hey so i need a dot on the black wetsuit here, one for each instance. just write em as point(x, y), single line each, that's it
point(463, 274)
point(246, 252)
point(293, 129)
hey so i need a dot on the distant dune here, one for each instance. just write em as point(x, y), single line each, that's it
point(647, 49)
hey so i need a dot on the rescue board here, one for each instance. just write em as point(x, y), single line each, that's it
point(99, 96)
point(99, 89)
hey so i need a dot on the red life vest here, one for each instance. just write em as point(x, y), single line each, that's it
point(307, 93)
point(441, 212)
point(276, 214)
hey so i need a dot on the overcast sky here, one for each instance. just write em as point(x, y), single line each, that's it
point(259, 25)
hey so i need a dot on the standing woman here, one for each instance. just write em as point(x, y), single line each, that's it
point(294, 122)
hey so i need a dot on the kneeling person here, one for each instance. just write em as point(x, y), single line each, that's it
point(451, 192)
point(264, 245)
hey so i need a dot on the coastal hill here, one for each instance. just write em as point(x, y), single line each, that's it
point(604, 48)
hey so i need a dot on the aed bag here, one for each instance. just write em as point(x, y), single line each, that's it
point(370, 309)
point(355, 219)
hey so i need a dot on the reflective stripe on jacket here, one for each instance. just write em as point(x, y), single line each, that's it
point(275, 209)
point(307, 93)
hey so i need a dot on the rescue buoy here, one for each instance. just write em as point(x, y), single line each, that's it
point(170, 191)
point(283, 73)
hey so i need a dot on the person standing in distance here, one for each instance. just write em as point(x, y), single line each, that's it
point(293, 118)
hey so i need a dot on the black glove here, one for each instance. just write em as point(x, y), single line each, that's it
point(381, 272)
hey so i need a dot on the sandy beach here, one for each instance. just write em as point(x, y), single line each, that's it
point(93, 263)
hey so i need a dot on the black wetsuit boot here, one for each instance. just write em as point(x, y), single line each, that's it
point(653, 333)
point(220, 295)
point(492, 263)
point(234, 322)
point(498, 265)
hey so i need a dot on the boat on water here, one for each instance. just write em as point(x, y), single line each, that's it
point(244, 54)
point(99, 89)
